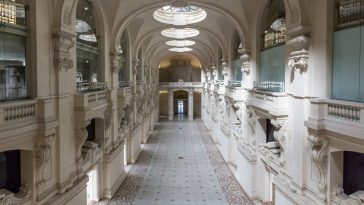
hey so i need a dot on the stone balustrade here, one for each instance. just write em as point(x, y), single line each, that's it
point(273, 103)
point(342, 117)
point(180, 84)
point(14, 112)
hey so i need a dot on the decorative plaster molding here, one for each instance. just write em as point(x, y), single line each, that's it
point(298, 58)
point(63, 42)
point(225, 68)
point(320, 158)
point(43, 160)
point(280, 135)
point(245, 57)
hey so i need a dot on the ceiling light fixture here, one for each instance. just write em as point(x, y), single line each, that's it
point(179, 13)
point(181, 43)
point(180, 33)
point(180, 50)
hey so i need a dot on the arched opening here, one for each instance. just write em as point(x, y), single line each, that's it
point(272, 56)
point(14, 70)
point(346, 176)
point(185, 67)
point(124, 61)
point(91, 150)
point(16, 174)
point(89, 76)
point(348, 51)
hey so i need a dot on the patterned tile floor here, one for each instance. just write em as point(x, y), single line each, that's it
point(179, 165)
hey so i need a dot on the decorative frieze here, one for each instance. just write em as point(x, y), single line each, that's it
point(280, 135)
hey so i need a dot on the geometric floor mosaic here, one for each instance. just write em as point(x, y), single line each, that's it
point(180, 165)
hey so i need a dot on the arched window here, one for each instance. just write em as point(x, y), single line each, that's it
point(139, 76)
point(348, 51)
point(124, 77)
point(272, 59)
point(88, 69)
point(237, 75)
point(14, 74)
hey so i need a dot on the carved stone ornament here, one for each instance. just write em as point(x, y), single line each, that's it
point(135, 67)
point(63, 43)
point(298, 58)
point(320, 158)
point(245, 58)
point(280, 135)
point(225, 68)
point(43, 159)
point(114, 62)
point(15, 199)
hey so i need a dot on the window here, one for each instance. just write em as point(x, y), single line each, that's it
point(124, 58)
point(219, 63)
point(272, 58)
point(348, 52)
point(13, 33)
point(139, 76)
point(88, 69)
point(237, 63)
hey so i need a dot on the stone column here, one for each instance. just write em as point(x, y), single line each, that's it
point(170, 105)
point(190, 104)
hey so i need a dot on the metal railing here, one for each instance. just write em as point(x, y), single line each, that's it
point(12, 13)
point(350, 12)
point(124, 84)
point(83, 87)
point(269, 86)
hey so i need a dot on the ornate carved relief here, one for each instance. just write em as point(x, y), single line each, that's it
point(67, 16)
point(81, 137)
point(15, 199)
point(298, 58)
point(43, 160)
point(280, 135)
point(114, 62)
point(225, 68)
point(63, 43)
point(245, 57)
point(320, 158)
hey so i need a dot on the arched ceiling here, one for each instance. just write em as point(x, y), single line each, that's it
point(136, 17)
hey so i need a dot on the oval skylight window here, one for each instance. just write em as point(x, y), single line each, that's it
point(88, 37)
point(180, 50)
point(180, 33)
point(180, 13)
point(181, 43)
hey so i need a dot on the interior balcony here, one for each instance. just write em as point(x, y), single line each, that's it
point(125, 93)
point(342, 117)
point(269, 98)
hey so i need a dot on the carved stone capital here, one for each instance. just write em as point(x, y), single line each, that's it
point(298, 57)
point(63, 42)
point(245, 57)
point(320, 158)
point(114, 62)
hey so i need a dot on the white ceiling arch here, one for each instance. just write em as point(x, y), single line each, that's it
point(127, 17)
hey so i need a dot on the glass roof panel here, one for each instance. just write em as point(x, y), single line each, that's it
point(180, 33)
point(180, 15)
point(181, 43)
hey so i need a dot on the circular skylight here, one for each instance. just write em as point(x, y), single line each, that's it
point(180, 14)
point(180, 50)
point(180, 33)
point(180, 43)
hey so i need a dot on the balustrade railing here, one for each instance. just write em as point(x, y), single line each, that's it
point(350, 12)
point(219, 82)
point(344, 112)
point(124, 84)
point(17, 111)
point(90, 87)
point(140, 83)
point(12, 13)
point(269, 86)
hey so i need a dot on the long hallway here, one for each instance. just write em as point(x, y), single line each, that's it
point(180, 165)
